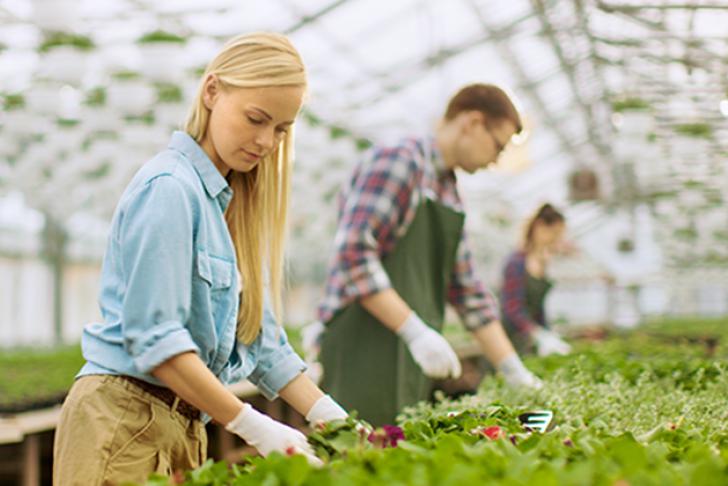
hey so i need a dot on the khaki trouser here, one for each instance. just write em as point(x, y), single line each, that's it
point(111, 432)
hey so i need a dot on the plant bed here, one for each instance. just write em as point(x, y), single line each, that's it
point(630, 409)
point(34, 379)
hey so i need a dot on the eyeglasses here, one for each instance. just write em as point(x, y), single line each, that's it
point(500, 147)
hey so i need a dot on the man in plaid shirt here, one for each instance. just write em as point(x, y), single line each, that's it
point(376, 209)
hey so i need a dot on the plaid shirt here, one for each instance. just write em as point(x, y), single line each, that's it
point(513, 296)
point(375, 210)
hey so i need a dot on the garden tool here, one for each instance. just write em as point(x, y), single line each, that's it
point(538, 420)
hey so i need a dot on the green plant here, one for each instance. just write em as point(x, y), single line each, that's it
point(13, 102)
point(57, 39)
point(23, 387)
point(125, 75)
point(161, 36)
point(145, 119)
point(169, 93)
point(67, 122)
point(630, 104)
point(695, 130)
point(96, 97)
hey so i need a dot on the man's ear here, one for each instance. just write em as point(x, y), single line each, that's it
point(210, 91)
point(469, 120)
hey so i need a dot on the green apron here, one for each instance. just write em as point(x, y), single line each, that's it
point(367, 367)
point(536, 291)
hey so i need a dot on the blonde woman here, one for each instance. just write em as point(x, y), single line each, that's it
point(186, 303)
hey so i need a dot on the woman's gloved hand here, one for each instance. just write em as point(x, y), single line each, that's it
point(515, 373)
point(325, 410)
point(548, 342)
point(268, 435)
point(431, 351)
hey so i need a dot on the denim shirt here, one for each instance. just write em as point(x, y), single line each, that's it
point(169, 281)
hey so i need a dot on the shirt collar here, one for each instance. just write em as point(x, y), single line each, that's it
point(435, 156)
point(215, 184)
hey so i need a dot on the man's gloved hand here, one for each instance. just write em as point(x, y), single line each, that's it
point(431, 351)
point(268, 435)
point(516, 374)
point(325, 410)
point(548, 342)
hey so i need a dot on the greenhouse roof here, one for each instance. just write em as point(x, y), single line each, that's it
point(78, 122)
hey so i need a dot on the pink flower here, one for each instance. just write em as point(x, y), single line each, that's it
point(386, 436)
point(178, 477)
point(493, 432)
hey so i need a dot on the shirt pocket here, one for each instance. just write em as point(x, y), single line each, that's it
point(216, 271)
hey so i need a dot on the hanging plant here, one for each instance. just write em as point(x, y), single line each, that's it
point(169, 93)
point(67, 123)
point(311, 118)
point(363, 144)
point(688, 234)
point(630, 104)
point(96, 97)
point(625, 245)
point(58, 39)
point(695, 130)
point(338, 132)
point(13, 102)
point(99, 172)
point(146, 118)
point(125, 75)
point(158, 36)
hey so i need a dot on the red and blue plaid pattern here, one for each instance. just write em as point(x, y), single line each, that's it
point(376, 208)
point(513, 296)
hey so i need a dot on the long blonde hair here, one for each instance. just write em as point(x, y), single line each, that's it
point(257, 214)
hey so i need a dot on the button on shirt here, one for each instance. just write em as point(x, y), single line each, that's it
point(375, 210)
point(169, 280)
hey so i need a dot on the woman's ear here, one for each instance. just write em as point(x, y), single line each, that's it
point(210, 91)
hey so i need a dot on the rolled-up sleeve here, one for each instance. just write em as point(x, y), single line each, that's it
point(156, 241)
point(277, 362)
point(378, 205)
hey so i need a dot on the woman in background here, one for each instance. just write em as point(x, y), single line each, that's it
point(526, 285)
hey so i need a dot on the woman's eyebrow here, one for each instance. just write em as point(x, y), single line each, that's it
point(263, 112)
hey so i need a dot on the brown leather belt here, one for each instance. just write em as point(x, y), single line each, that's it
point(167, 396)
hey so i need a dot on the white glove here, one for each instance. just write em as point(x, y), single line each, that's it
point(268, 435)
point(516, 374)
point(548, 342)
point(431, 351)
point(325, 410)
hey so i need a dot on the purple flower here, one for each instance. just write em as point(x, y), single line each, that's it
point(386, 436)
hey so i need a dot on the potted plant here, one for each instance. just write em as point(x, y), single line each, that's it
point(95, 111)
point(170, 108)
point(128, 94)
point(161, 54)
point(635, 116)
point(16, 118)
point(691, 143)
point(64, 56)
